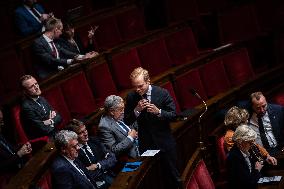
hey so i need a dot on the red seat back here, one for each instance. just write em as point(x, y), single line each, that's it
point(131, 23)
point(185, 82)
point(168, 85)
point(203, 177)
point(191, 184)
point(55, 98)
point(238, 24)
point(238, 67)
point(181, 46)
point(101, 81)
point(21, 135)
point(221, 154)
point(78, 95)
point(214, 77)
point(122, 65)
point(154, 57)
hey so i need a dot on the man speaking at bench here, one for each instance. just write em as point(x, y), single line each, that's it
point(153, 108)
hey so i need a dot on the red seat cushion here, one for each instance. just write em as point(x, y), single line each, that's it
point(21, 135)
point(203, 177)
point(122, 65)
point(78, 95)
point(186, 82)
point(181, 46)
point(214, 78)
point(238, 67)
point(154, 57)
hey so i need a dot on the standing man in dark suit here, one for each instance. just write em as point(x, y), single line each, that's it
point(120, 138)
point(37, 116)
point(30, 18)
point(52, 57)
point(267, 121)
point(67, 171)
point(11, 158)
point(153, 109)
point(93, 155)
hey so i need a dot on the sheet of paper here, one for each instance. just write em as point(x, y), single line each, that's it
point(150, 152)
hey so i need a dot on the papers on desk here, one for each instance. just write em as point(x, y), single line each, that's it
point(150, 152)
point(269, 179)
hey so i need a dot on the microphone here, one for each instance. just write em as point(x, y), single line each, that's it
point(194, 93)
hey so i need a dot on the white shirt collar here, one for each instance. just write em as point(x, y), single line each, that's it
point(47, 38)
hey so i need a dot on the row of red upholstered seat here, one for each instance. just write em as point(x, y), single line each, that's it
point(215, 77)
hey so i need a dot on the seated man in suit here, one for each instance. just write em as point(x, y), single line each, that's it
point(52, 57)
point(29, 18)
point(120, 138)
point(93, 155)
point(67, 171)
point(38, 117)
point(267, 121)
point(11, 158)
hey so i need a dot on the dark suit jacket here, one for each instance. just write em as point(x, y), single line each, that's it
point(64, 43)
point(154, 131)
point(47, 63)
point(100, 153)
point(66, 176)
point(9, 160)
point(26, 22)
point(115, 139)
point(33, 115)
point(276, 116)
point(239, 175)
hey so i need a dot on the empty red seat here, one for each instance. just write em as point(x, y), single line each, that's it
point(78, 95)
point(154, 57)
point(122, 65)
point(238, 67)
point(101, 81)
point(181, 46)
point(131, 23)
point(168, 85)
point(238, 24)
point(203, 177)
point(184, 84)
point(55, 98)
point(214, 78)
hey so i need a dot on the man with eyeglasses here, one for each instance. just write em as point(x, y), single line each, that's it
point(37, 115)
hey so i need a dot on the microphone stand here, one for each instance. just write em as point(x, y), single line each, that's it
point(201, 142)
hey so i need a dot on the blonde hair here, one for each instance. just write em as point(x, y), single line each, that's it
point(244, 133)
point(140, 71)
point(235, 117)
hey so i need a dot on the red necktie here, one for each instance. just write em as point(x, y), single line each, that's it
point(53, 49)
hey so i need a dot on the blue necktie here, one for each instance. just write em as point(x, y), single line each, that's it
point(123, 125)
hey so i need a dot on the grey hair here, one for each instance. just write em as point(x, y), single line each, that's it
point(63, 137)
point(244, 133)
point(112, 102)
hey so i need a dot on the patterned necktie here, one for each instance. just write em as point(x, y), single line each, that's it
point(34, 11)
point(262, 133)
point(53, 49)
point(89, 155)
